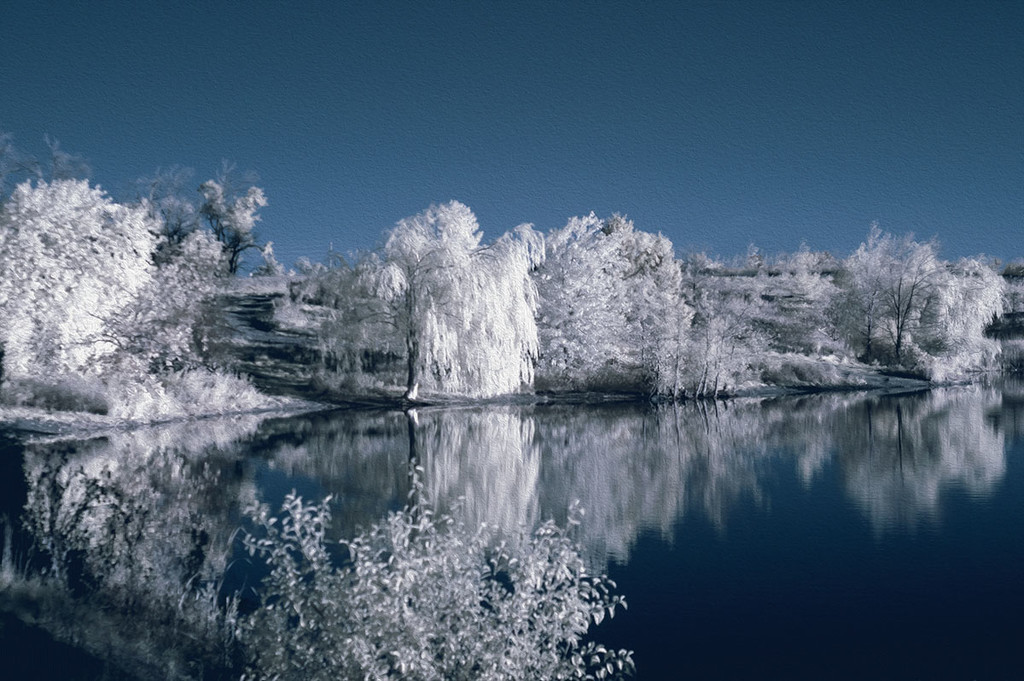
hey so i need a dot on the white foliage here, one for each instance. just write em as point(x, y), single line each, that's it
point(158, 330)
point(901, 299)
point(71, 260)
point(168, 195)
point(460, 314)
point(610, 305)
point(891, 282)
point(469, 310)
point(86, 317)
point(969, 297)
point(270, 266)
point(426, 597)
point(724, 342)
point(231, 218)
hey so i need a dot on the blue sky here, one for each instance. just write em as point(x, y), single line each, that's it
point(718, 124)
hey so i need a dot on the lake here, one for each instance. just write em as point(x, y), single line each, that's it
point(841, 535)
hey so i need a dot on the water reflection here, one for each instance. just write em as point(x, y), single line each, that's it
point(899, 456)
point(137, 512)
point(135, 525)
point(634, 468)
point(640, 469)
point(488, 461)
point(360, 458)
point(146, 516)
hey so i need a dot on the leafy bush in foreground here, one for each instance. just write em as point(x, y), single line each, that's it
point(424, 597)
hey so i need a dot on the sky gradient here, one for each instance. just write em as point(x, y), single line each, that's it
point(718, 124)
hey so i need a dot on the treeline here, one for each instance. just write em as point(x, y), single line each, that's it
point(599, 305)
point(106, 305)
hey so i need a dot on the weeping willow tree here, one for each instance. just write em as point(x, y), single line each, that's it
point(460, 313)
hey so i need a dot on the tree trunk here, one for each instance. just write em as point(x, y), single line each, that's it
point(412, 348)
point(867, 340)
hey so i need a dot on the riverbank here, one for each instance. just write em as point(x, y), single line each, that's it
point(799, 376)
point(42, 423)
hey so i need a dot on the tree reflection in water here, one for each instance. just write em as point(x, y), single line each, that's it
point(131, 533)
point(913, 449)
point(638, 468)
point(142, 522)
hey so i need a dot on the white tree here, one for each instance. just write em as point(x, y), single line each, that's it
point(170, 197)
point(228, 205)
point(64, 165)
point(802, 292)
point(968, 297)
point(610, 305)
point(724, 340)
point(890, 281)
point(231, 217)
point(162, 327)
point(71, 260)
point(461, 314)
point(61, 165)
point(12, 161)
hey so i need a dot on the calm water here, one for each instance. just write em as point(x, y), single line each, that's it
point(832, 536)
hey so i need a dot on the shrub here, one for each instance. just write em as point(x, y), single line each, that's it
point(421, 596)
point(69, 392)
point(178, 394)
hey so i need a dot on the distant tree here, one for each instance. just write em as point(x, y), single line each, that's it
point(171, 199)
point(725, 339)
point(16, 165)
point(228, 205)
point(856, 312)
point(460, 313)
point(359, 340)
point(308, 268)
point(64, 165)
point(1013, 292)
point(270, 266)
point(801, 293)
point(888, 283)
point(231, 216)
point(969, 296)
point(10, 161)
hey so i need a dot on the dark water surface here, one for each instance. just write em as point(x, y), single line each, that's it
point(830, 536)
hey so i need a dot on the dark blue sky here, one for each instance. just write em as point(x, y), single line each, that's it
point(718, 124)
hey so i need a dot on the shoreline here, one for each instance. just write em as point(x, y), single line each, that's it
point(37, 423)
